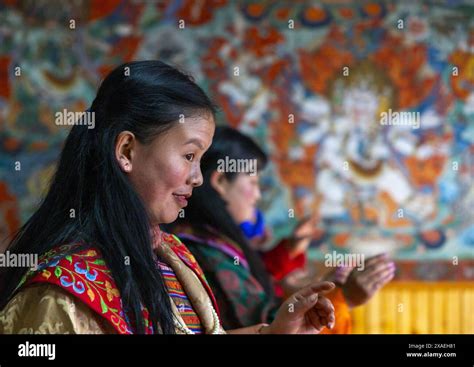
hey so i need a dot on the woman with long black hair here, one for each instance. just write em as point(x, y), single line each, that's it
point(104, 265)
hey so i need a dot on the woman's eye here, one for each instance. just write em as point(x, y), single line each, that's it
point(190, 157)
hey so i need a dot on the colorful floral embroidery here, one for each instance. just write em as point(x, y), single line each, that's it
point(84, 274)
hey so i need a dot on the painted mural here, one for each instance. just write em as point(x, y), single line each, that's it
point(308, 80)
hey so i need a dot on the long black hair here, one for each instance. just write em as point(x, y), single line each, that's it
point(146, 98)
point(207, 208)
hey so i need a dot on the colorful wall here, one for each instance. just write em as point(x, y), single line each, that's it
point(307, 81)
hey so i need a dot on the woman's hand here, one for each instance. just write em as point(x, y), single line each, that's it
point(305, 312)
point(360, 286)
point(302, 235)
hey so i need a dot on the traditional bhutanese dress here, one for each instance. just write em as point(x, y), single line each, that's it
point(242, 300)
point(72, 291)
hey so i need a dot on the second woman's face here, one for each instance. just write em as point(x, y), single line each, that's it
point(241, 196)
point(165, 171)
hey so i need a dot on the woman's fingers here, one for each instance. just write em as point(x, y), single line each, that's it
point(383, 280)
point(307, 297)
point(318, 287)
point(376, 265)
point(376, 259)
point(324, 306)
point(378, 270)
point(322, 317)
point(315, 320)
point(311, 307)
point(384, 273)
point(325, 310)
point(320, 321)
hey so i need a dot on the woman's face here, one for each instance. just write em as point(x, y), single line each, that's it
point(242, 195)
point(165, 171)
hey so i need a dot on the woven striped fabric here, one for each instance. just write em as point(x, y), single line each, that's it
point(180, 299)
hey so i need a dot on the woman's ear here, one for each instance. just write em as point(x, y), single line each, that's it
point(219, 183)
point(124, 150)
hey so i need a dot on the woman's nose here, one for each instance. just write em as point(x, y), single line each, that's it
point(196, 178)
point(258, 194)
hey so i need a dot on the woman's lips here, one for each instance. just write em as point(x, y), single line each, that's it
point(182, 199)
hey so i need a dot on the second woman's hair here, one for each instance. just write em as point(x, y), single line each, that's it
point(207, 208)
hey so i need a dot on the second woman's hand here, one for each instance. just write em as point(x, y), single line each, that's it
point(361, 286)
point(302, 235)
point(305, 312)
